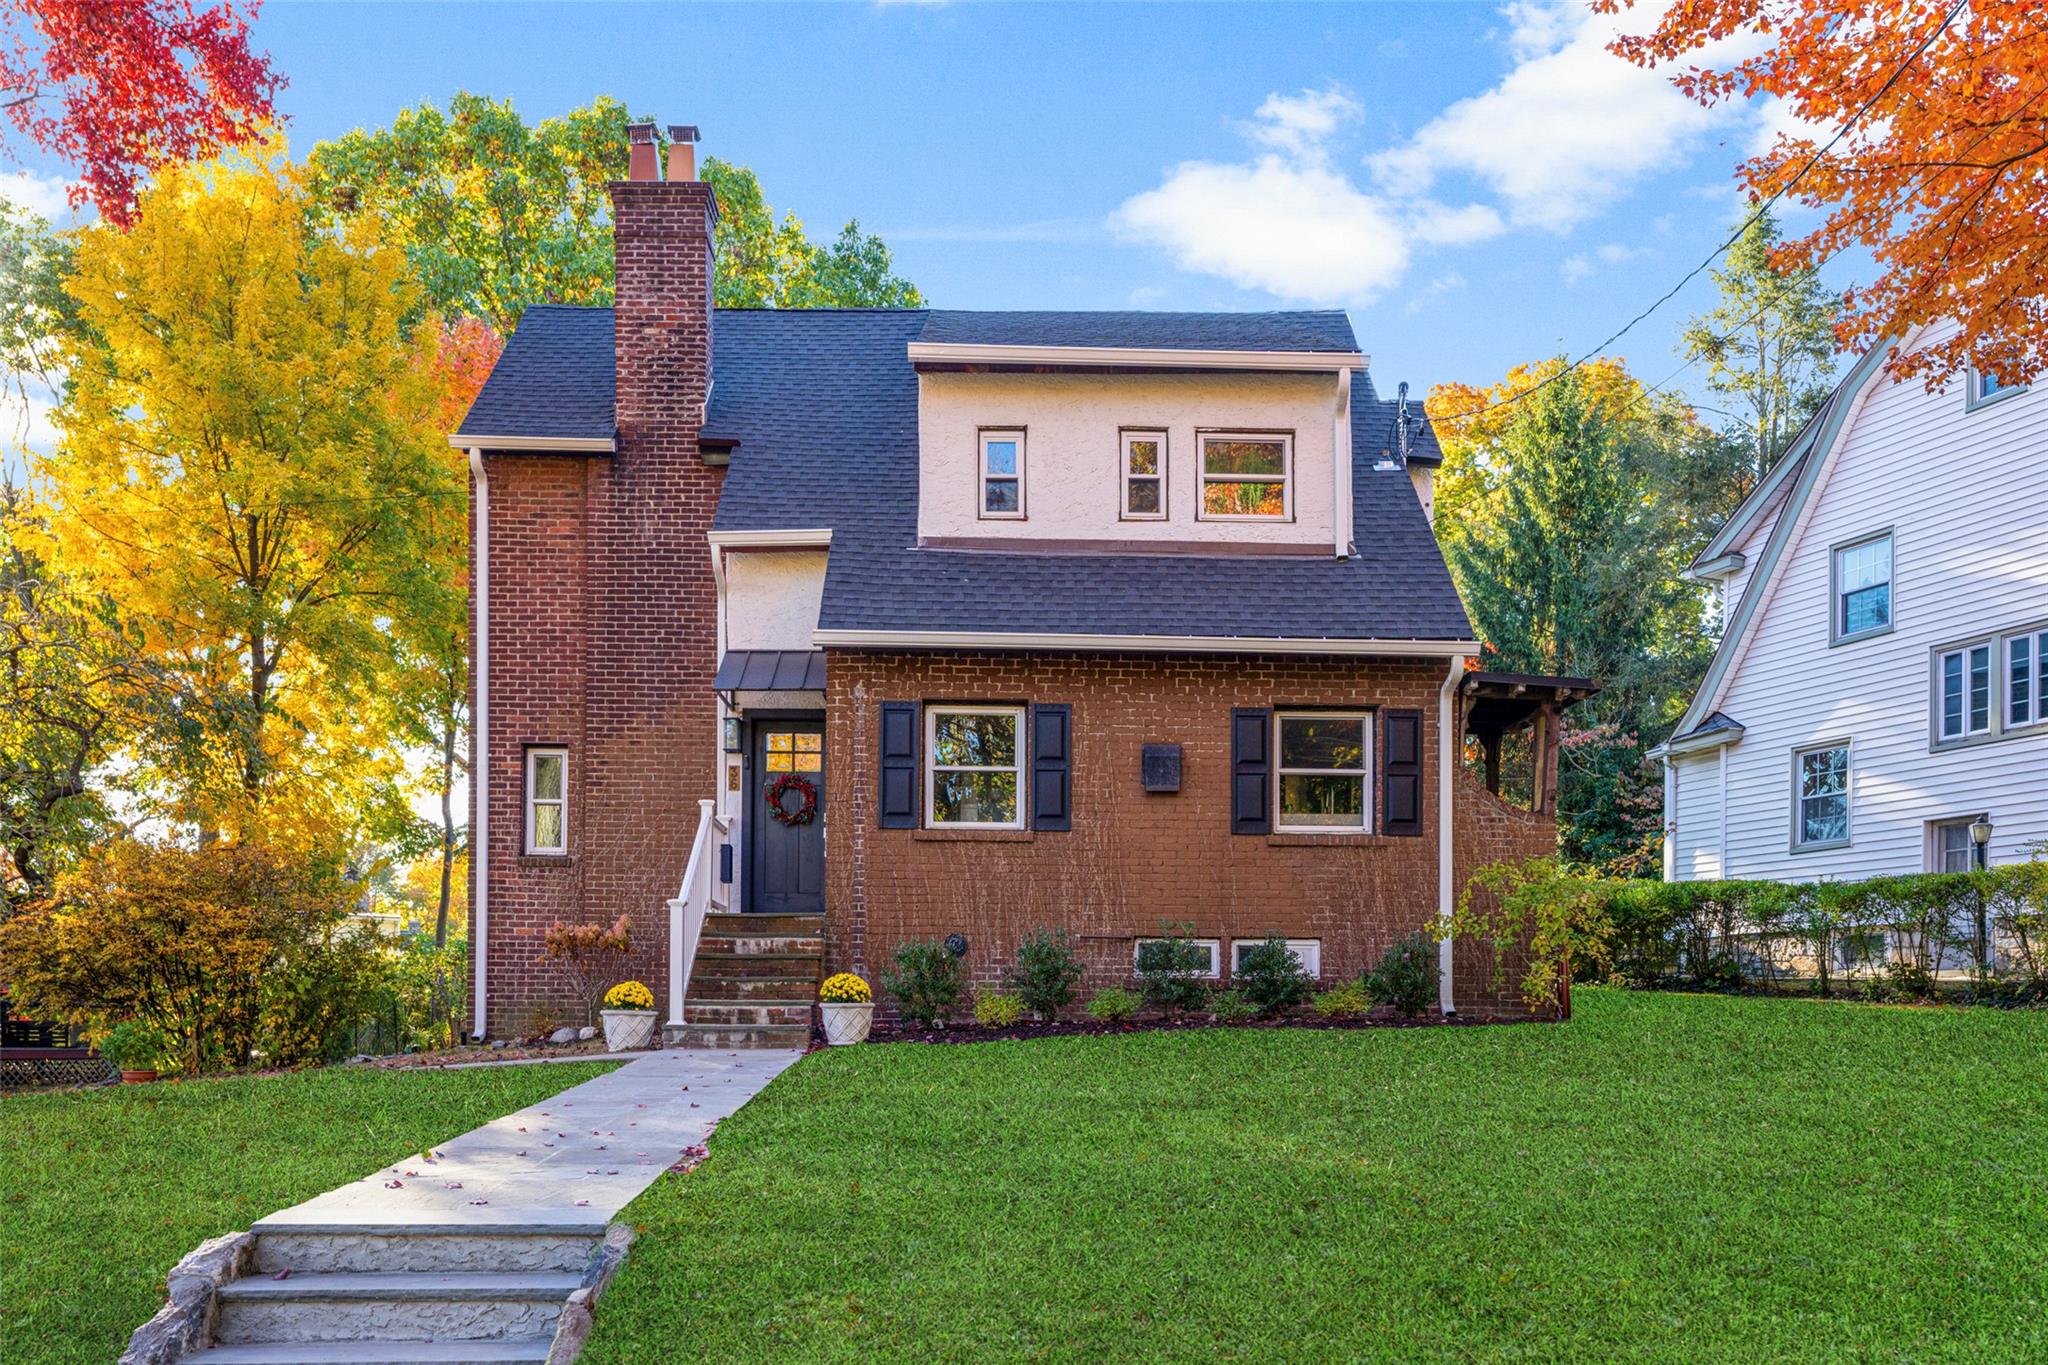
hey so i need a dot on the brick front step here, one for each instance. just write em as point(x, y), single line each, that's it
point(758, 1014)
point(715, 989)
point(726, 945)
point(734, 966)
point(716, 1037)
point(755, 926)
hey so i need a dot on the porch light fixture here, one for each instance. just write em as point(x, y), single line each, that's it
point(956, 944)
point(1980, 835)
point(732, 734)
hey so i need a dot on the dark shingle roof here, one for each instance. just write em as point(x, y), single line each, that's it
point(1301, 331)
point(825, 407)
point(555, 378)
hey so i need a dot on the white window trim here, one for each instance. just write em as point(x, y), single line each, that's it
point(2000, 724)
point(1800, 845)
point(1363, 773)
point(1975, 397)
point(932, 766)
point(531, 801)
point(1837, 635)
point(981, 444)
point(1991, 690)
point(1935, 829)
point(1203, 478)
point(1214, 946)
point(2037, 704)
point(1124, 475)
point(1307, 951)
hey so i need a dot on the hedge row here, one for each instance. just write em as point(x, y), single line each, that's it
point(1988, 928)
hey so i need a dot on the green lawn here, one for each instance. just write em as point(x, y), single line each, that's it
point(1668, 1177)
point(101, 1191)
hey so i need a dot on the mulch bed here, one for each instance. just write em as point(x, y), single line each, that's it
point(1072, 1028)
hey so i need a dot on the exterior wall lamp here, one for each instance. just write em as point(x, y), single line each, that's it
point(732, 734)
point(1980, 835)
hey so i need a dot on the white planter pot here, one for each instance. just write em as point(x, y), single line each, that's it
point(847, 1023)
point(627, 1030)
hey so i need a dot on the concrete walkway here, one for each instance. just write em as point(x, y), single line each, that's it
point(577, 1158)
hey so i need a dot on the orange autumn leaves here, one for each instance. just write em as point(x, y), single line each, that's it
point(1940, 180)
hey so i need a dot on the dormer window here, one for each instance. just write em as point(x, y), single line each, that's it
point(1245, 476)
point(1002, 474)
point(1144, 478)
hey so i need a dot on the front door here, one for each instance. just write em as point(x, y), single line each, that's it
point(786, 856)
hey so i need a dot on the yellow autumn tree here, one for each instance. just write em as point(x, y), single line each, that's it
point(248, 445)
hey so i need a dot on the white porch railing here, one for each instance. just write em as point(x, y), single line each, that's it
point(701, 894)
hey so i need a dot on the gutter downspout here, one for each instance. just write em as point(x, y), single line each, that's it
point(480, 755)
point(1446, 747)
point(1340, 470)
point(1670, 819)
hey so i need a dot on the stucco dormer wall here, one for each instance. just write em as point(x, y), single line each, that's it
point(1073, 425)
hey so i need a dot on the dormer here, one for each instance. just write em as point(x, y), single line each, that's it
point(1136, 432)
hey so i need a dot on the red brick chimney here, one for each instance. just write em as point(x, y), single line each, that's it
point(662, 264)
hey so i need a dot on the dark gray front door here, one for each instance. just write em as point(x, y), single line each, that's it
point(786, 863)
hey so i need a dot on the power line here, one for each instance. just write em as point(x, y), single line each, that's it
point(1736, 236)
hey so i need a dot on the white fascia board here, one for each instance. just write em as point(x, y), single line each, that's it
point(1698, 743)
point(567, 444)
point(801, 537)
point(1145, 644)
point(1717, 568)
point(1162, 358)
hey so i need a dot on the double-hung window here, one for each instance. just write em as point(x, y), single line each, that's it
point(1820, 796)
point(1965, 691)
point(1245, 476)
point(1002, 475)
point(547, 801)
point(1324, 771)
point(974, 767)
point(1862, 588)
point(2026, 670)
point(1144, 475)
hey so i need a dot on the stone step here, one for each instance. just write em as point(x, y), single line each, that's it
point(402, 1306)
point(754, 926)
point(718, 1038)
point(406, 1249)
point(714, 989)
point(750, 1014)
point(805, 967)
point(760, 945)
point(515, 1351)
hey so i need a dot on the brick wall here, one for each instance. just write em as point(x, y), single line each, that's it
point(603, 620)
point(1132, 858)
point(1487, 829)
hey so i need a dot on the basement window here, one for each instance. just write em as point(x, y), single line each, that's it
point(1308, 954)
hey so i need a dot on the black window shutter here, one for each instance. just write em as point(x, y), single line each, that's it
point(1401, 805)
point(899, 764)
point(1251, 770)
point(1052, 761)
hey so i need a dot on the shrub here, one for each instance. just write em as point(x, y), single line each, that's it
point(998, 1009)
point(1171, 969)
point(1115, 1005)
point(844, 988)
point(1348, 1001)
point(1046, 973)
point(1230, 1007)
point(1559, 912)
point(229, 950)
point(927, 982)
point(1407, 976)
point(133, 1045)
point(629, 995)
point(1271, 977)
point(585, 956)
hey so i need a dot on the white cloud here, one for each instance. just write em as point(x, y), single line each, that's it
point(1567, 131)
point(43, 195)
point(1301, 124)
point(1450, 282)
point(1575, 269)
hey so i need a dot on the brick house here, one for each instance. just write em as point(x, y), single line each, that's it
point(1097, 620)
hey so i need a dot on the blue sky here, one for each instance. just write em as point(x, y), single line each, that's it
point(1479, 184)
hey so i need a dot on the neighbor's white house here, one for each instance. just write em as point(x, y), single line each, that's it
point(1879, 686)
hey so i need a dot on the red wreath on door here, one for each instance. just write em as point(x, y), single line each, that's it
point(783, 786)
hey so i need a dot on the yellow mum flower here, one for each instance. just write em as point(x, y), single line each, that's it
point(845, 989)
point(629, 995)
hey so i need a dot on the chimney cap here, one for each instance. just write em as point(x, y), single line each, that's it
point(640, 132)
point(683, 132)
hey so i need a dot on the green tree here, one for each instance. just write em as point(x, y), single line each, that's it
point(496, 214)
point(1769, 348)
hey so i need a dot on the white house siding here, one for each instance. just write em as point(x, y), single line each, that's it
point(1966, 495)
point(1697, 846)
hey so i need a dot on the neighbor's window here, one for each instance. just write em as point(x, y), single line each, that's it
point(2026, 670)
point(547, 804)
point(1002, 474)
point(974, 774)
point(1308, 953)
point(1965, 691)
point(1953, 850)
point(1246, 476)
point(1863, 587)
point(1323, 770)
point(1821, 801)
point(1144, 475)
point(1985, 387)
